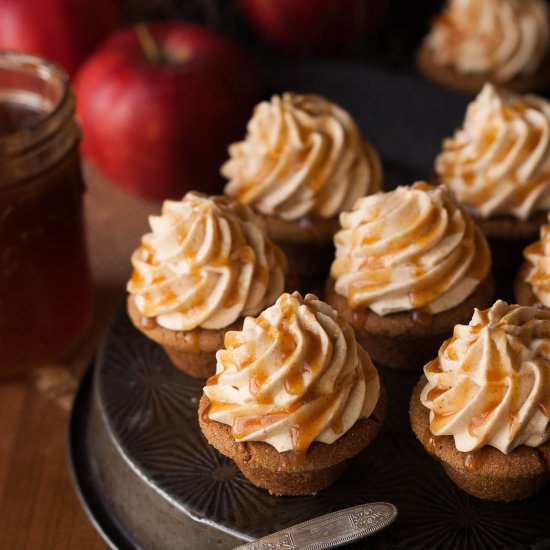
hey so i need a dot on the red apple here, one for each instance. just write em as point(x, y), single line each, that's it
point(158, 113)
point(65, 31)
point(314, 26)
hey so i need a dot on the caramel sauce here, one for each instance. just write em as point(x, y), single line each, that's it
point(250, 356)
point(232, 339)
point(433, 366)
point(448, 408)
point(523, 191)
point(256, 382)
point(451, 353)
point(432, 443)
point(436, 392)
point(423, 318)
point(309, 426)
point(293, 460)
point(472, 462)
point(359, 317)
point(479, 268)
point(243, 426)
point(545, 406)
point(513, 422)
point(148, 323)
point(421, 296)
point(246, 255)
point(192, 339)
point(372, 262)
point(372, 237)
point(337, 424)
point(213, 380)
point(373, 279)
point(477, 423)
point(137, 279)
point(294, 381)
point(488, 139)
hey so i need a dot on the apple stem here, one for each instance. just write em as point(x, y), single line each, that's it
point(149, 44)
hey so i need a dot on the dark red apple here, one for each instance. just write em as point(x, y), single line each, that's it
point(160, 105)
point(65, 31)
point(314, 26)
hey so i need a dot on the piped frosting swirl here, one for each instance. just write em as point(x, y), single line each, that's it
point(500, 38)
point(499, 162)
point(292, 376)
point(490, 384)
point(205, 264)
point(537, 274)
point(411, 248)
point(302, 156)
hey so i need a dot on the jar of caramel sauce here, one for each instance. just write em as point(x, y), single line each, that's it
point(45, 285)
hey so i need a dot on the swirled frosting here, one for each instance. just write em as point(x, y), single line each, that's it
point(293, 375)
point(490, 384)
point(500, 38)
point(537, 274)
point(411, 248)
point(302, 155)
point(499, 162)
point(205, 264)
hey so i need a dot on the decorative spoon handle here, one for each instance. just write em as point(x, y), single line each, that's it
point(330, 530)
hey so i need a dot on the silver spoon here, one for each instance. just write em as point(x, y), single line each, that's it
point(329, 531)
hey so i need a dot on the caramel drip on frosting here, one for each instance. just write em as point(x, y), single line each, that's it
point(502, 39)
point(498, 163)
point(410, 249)
point(494, 388)
point(302, 156)
point(205, 264)
point(537, 274)
point(294, 375)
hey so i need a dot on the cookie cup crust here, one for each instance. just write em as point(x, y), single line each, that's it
point(496, 476)
point(409, 339)
point(278, 472)
point(192, 351)
point(473, 83)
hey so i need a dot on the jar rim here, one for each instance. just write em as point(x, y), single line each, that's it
point(45, 70)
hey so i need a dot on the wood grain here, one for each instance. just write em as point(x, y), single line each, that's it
point(38, 506)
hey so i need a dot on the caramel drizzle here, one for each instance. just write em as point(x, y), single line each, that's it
point(308, 421)
point(240, 254)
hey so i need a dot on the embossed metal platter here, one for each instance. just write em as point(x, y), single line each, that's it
point(150, 480)
point(154, 470)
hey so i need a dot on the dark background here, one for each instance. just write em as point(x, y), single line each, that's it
point(406, 22)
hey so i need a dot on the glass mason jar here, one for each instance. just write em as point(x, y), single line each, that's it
point(45, 284)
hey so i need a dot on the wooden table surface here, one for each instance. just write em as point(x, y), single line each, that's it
point(38, 505)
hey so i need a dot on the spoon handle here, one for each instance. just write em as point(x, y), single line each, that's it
point(330, 530)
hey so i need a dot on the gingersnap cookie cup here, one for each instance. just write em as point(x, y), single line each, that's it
point(290, 473)
point(307, 242)
point(507, 236)
point(486, 473)
point(407, 340)
point(523, 291)
point(471, 83)
point(193, 351)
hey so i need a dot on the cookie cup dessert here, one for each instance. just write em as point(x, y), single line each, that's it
point(294, 397)
point(532, 284)
point(498, 166)
point(205, 265)
point(410, 264)
point(483, 407)
point(303, 161)
point(505, 42)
